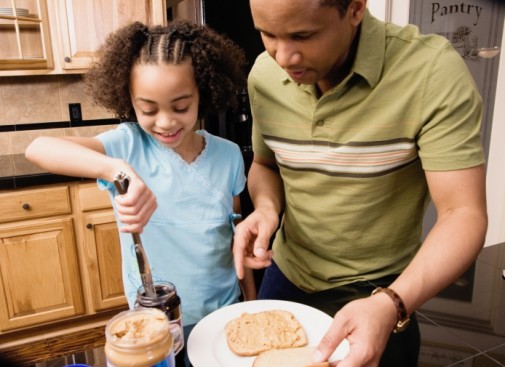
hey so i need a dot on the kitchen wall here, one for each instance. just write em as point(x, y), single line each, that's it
point(31, 101)
point(398, 12)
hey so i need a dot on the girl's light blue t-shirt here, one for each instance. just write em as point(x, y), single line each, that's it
point(188, 238)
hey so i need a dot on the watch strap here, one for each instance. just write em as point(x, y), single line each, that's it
point(403, 316)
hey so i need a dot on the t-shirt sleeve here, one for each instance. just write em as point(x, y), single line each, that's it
point(239, 176)
point(452, 112)
point(258, 144)
point(117, 143)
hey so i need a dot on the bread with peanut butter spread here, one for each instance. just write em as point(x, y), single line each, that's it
point(252, 333)
point(288, 357)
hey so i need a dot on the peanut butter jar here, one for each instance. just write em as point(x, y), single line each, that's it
point(139, 338)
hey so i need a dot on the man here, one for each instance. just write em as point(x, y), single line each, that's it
point(357, 123)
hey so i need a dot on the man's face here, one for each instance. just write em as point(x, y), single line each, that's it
point(309, 41)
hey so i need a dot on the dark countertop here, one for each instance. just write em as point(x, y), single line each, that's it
point(17, 172)
point(21, 182)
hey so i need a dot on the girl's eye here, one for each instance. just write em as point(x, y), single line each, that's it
point(181, 110)
point(148, 113)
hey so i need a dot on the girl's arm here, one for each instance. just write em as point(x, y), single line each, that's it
point(74, 156)
point(85, 157)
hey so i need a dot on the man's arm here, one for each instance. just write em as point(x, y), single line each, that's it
point(455, 240)
point(451, 246)
point(252, 236)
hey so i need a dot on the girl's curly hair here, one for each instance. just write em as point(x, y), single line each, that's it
point(217, 62)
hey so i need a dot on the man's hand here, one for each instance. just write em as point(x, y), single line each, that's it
point(252, 239)
point(367, 324)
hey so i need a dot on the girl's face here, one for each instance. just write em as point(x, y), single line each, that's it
point(165, 98)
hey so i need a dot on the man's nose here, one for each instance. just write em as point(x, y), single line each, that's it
point(286, 55)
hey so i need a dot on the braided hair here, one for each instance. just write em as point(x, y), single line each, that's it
point(217, 62)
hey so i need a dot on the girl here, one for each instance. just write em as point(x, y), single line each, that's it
point(184, 184)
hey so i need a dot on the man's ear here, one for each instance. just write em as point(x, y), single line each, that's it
point(356, 11)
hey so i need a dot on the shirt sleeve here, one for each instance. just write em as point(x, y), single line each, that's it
point(258, 144)
point(450, 137)
point(239, 176)
point(117, 143)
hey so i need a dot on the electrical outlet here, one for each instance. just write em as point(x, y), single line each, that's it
point(74, 110)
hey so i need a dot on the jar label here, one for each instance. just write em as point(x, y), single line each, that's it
point(167, 362)
point(177, 334)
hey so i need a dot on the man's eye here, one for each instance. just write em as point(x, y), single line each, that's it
point(301, 37)
point(267, 35)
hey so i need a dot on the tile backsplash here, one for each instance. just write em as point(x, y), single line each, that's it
point(31, 99)
point(38, 100)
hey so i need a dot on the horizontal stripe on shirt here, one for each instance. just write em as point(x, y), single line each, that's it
point(354, 159)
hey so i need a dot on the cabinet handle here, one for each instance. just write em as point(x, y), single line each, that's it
point(67, 59)
point(26, 206)
point(89, 226)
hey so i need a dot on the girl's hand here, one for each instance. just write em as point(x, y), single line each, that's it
point(135, 208)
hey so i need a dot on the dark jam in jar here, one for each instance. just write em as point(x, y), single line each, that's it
point(169, 302)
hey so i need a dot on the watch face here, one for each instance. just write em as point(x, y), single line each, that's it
point(401, 325)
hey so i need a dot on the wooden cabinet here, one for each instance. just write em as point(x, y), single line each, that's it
point(60, 258)
point(31, 204)
point(84, 25)
point(39, 272)
point(101, 249)
point(62, 36)
point(24, 34)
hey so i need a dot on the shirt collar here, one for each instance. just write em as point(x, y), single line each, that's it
point(371, 49)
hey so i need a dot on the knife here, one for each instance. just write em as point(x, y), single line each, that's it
point(121, 182)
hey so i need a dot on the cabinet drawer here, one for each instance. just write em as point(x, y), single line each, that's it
point(92, 198)
point(34, 204)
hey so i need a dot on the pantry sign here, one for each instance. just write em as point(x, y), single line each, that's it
point(475, 28)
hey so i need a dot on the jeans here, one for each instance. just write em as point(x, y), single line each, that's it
point(402, 349)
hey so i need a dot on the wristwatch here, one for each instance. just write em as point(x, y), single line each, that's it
point(403, 316)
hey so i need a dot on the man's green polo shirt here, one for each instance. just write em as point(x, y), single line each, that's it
point(353, 160)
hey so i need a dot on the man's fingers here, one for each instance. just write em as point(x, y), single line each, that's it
point(331, 340)
point(238, 257)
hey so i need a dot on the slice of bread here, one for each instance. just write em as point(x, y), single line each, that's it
point(288, 357)
point(252, 333)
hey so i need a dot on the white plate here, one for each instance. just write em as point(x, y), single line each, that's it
point(207, 341)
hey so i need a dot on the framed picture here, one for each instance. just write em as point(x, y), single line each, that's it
point(475, 29)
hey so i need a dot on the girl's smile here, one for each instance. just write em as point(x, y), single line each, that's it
point(167, 138)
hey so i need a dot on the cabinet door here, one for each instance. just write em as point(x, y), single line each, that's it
point(24, 34)
point(85, 24)
point(39, 275)
point(103, 258)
